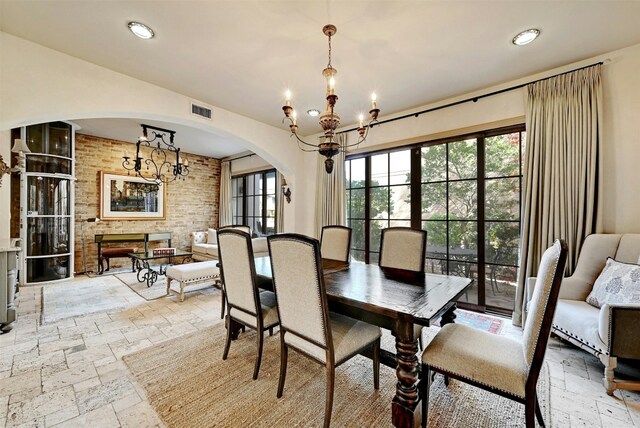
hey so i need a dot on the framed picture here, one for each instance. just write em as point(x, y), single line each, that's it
point(125, 197)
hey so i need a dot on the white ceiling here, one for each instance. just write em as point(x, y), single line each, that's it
point(243, 55)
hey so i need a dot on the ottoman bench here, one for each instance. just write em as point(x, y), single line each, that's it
point(193, 274)
point(111, 253)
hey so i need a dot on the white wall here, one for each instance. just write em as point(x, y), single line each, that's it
point(621, 157)
point(622, 141)
point(5, 193)
point(38, 84)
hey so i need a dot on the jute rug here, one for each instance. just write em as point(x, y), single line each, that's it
point(159, 288)
point(189, 385)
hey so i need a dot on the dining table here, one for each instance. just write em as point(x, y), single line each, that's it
point(394, 300)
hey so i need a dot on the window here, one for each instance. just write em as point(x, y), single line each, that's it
point(253, 201)
point(465, 192)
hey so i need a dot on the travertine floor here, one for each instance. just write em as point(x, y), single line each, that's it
point(70, 372)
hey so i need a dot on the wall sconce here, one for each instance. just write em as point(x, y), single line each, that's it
point(19, 147)
point(286, 191)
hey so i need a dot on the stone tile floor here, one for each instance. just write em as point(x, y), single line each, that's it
point(69, 373)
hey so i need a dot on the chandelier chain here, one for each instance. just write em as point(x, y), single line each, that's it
point(329, 65)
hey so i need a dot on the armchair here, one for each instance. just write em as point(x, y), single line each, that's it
point(610, 332)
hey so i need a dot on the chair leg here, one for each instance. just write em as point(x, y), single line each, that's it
point(609, 378)
point(376, 364)
point(259, 357)
point(227, 344)
point(529, 411)
point(425, 386)
point(284, 350)
point(331, 378)
point(270, 331)
point(539, 413)
point(224, 300)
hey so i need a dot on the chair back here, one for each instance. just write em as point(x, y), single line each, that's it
point(299, 286)
point(238, 270)
point(542, 307)
point(241, 227)
point(403, 248)
point(335, 242)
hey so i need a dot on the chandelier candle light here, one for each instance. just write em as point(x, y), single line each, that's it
point(159, 169)
point(329, 119)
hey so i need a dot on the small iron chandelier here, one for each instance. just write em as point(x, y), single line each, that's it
point(159, 169)
point(329, 119)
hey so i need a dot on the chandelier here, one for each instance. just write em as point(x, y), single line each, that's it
point(329, 119)
point(159, 168)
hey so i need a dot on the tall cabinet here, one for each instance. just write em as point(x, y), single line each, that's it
point(46, 203)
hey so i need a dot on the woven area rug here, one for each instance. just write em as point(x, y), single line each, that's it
point(484, 322)
point(188, 384)
point(159, 288)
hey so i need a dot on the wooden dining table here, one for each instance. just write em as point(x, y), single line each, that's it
point(393, 300)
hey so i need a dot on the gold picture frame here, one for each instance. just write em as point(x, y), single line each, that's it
point(125, 197)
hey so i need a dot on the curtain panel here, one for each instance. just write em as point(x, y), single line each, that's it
point(226, 215)
point(562, 170)
point(279, 203)
point(330, 199)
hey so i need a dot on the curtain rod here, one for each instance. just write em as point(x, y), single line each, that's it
point(474, 99)
point(240, 157)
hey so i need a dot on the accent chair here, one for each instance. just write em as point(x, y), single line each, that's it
point(306, 325)
point(246, 305)
point(495, 363)
point(335, 242)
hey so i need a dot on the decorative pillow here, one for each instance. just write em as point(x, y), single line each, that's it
point(618, 283)
point(212, 236)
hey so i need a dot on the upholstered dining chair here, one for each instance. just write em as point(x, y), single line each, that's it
point(402, 251)
point(241, 227)
point(495, 363)
point(245, 304)
point(335, 242)
point(403, 248)
point(306, 325)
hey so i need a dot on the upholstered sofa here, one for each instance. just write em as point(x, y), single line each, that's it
point(204, 245)
point(612, 331)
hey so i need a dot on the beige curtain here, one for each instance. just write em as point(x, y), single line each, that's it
point(563, 172)
point(330, 205)
point(279, 204)
point(226, 217)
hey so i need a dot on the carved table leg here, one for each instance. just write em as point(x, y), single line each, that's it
point(405, 409)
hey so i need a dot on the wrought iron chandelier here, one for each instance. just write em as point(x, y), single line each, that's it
point(329, 119)
point(159, 168)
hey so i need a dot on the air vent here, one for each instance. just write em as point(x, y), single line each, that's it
point(201, 111)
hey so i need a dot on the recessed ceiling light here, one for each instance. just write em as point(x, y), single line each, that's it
point(141, 30)
point(313, 112)
point(526, 37)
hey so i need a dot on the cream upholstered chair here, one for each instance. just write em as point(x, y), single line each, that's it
point(403, 248)
point(241, 227)
point(335, 242)
point(402, 251)
point(306, 324)
point(246, 306)
point(495, 363)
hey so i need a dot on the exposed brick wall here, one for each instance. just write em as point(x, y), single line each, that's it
point(190, 205)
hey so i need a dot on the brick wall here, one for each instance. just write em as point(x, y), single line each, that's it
point(190, 205)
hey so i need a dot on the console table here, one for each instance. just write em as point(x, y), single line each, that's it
point(109, 238)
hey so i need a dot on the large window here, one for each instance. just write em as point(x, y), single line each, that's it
point(253, 201)
point(465, 192)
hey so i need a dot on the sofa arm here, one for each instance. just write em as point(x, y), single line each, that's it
point(619, 329)
point(198, 238)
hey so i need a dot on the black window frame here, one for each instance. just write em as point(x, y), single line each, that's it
point(244, 218)
point(481, 179)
